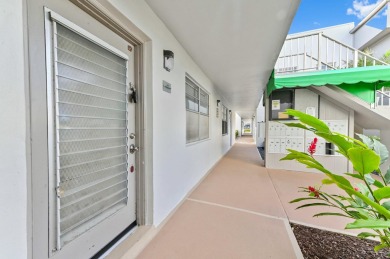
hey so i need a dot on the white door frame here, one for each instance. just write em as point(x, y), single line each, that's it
point(52, 20)
point(109, 16)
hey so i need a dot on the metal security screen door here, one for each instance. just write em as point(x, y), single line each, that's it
point(90, 120)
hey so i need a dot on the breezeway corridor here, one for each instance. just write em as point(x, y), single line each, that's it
point(240, 210)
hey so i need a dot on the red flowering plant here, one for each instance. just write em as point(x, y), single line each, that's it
point(369, 203)
point(312, 147)
point(314, 192)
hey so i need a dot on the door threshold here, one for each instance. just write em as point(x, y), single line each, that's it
point(107, 249)
point(131, 244)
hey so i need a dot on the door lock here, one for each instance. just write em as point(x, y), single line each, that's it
point(132, 136)
point(133, 94)
point(133, 149)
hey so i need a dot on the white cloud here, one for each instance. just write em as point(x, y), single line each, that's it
point(316, 23)
point(385, 11)
point(361, 8)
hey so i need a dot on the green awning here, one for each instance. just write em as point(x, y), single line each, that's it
point(360, 81)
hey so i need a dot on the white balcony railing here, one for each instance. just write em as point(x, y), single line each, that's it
point(315, 52)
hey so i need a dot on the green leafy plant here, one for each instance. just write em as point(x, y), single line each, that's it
point(369, 61)
point(368, 203)
point(361, 62)
point(236, 133)
point(386, 57)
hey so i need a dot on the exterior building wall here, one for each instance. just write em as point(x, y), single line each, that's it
point(381, 47)
point(233, 127)
point(305, 98)
point(254, 129)
point(363, 35)
point(177, 166)
point(260, 117)
point(325, 110)
point(237, 124)
point(13, 132)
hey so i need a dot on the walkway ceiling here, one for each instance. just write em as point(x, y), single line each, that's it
point(235, 42)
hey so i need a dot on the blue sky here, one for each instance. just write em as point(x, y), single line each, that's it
point(314, 14)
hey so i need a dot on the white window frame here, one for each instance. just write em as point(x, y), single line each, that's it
point(188, 77)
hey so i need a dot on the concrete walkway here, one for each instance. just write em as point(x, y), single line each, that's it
point(240, 210)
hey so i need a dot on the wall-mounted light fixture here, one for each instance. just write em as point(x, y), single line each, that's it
point(230, 111)
point(168, 60)
point(218, 101)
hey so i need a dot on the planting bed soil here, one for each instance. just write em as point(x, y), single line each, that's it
point(320, 244)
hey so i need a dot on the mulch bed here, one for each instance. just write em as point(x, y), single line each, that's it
point(320, 244)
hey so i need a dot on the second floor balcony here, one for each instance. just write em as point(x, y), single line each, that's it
point(317, 51)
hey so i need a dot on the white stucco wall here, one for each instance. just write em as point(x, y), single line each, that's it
point(260, 111)
point(233, 127)
point(381, 47)
point(260, 117)
point(328, 110)
point(238, 124)
point(13, 167)
point(177, 167)
point(363, 35)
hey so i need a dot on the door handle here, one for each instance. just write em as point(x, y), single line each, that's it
point(133, 149)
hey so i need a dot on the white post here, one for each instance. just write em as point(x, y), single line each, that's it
point(319, 51)
point(388, 15)
point(326, 54)
point(304, 53)
point(339, 66)
point(355, 59)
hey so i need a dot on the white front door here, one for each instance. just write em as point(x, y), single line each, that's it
point(91, 120)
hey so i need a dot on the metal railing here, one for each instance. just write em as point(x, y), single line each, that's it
point(382, 98)
point(316, 52)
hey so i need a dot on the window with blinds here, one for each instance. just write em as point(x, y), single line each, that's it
point(224, 120)
point(90, 131)
point(197, 114)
